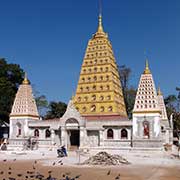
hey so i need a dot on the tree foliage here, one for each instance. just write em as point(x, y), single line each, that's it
point(128, 91)
point(172, 107)
point(11, 75)
point(56, 110)
point(42, 104)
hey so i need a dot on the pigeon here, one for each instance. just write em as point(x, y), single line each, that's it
point(49, 172)
point(77, 176)
point(54, 163)
point(59, 161)
point(19, 175)
point(108, 173)
point(117, 177)
point(39, 176)
point(10, 178)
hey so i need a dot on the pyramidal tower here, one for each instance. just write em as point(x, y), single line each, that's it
point(23, 110)
point(99, 91)
point(166, 129)
point(162, 105)
point(147, 113)
point(146, 98)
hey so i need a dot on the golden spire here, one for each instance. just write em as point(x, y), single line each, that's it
point(159, 93)
point(100, 27)
point(147, 71)
point(25, 81)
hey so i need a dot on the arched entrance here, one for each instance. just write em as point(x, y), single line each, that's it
point(73, 134)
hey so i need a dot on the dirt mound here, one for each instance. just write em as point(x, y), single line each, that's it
point(103, 158)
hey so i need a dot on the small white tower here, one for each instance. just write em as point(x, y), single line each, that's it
point(166, 130)
point(24, 109)
point(146, 113)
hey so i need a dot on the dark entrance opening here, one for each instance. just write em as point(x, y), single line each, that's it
point(74, 138)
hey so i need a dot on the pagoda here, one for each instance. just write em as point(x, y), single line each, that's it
point(147, 113)
point(23, 110)
point(146, 98)
point(99, 91)
point(162, 105)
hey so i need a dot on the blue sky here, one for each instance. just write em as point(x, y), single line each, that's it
point(48, 39)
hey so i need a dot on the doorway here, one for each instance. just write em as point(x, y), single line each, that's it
point(74, 139)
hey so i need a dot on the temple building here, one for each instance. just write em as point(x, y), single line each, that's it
point(99, 91)
point(149, 114)
point(96, 116)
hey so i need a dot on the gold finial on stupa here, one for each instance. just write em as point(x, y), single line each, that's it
point(159, 93)
point(25, 81)
point(100, 27)
point(147, 70)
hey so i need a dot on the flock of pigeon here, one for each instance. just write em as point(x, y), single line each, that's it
point(34, 174)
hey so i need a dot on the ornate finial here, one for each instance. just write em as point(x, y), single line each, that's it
point(100, 27)
point(147, 71)
point(25, 81)
point(159, 93)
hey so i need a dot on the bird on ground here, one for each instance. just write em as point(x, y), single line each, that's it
point(109, 172)
point(67, 178)
point(117, 177)
point(54, 163)
point(77, 176)
point(49, 172)
point(5, 160)
point(59, 161)
point(10, 178)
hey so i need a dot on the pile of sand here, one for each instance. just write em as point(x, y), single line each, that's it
point(103, 158)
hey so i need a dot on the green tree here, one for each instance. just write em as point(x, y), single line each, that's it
point(56, 110)
point(129, 92)
point(41, 102)
point(11, 75)
point(170, 102)
point(172, 107)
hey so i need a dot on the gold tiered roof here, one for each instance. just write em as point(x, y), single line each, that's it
point(99, 89)
point(24, 104)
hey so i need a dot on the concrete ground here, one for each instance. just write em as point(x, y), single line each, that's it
point(150, 165)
